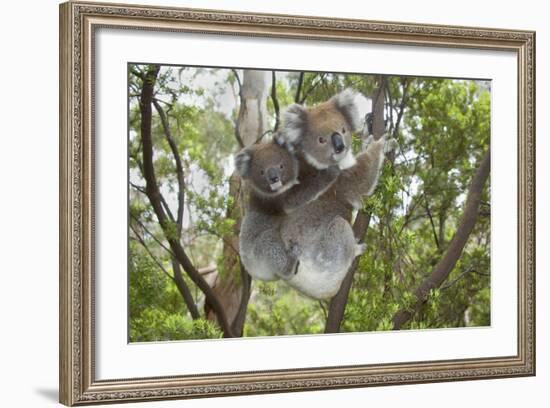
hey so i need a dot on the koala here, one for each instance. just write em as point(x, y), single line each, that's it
point(270, 173)
point(321, 136)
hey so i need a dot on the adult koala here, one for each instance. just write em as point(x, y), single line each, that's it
point(321, 136)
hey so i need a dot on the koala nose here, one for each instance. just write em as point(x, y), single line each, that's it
point(338, 142)
point(272, 175)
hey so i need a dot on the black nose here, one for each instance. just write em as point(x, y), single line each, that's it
point(338, 142)
point(272, 175)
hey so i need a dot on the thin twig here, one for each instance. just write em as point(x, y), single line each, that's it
point(158, 241)
point(312, 88)
point(427, 207)
point(139, 239)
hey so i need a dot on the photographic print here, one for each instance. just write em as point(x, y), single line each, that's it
point(280, 203)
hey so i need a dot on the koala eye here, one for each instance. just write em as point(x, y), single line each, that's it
point(262, 172)
point(343, 130)
point(322, 140)
point(281, 167)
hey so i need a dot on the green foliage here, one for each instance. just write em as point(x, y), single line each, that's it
point(278, 310)
point(158, 325)
point(414, 213)
point(416, 209)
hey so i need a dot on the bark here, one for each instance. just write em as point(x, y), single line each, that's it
point(178, 280)
point(454, 251)
point(299, 87)
point(154, 196)
point(338, 303)
point(180, 175)
point(184, 290)
point(232, 286)
point(246, 282)
point(275, 100)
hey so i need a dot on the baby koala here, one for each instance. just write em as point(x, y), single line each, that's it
point(270, 173)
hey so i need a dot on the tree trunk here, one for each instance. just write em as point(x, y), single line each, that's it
point(232, 285)
point(338, 303)
point(155, 198)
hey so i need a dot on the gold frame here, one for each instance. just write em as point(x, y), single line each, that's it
point(78, 22)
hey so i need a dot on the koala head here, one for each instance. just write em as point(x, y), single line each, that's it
point(323, 132)
point(268, 167)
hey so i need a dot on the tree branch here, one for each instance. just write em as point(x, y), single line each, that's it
point(139, 239)
point(427, 208)
point(238, 79)
point(134, 70)
point(158, 241)
point(311, 89)
point(405, 83)
point(237, 131)
point(338, 303)
point(274, 99)
point(153, 193)
point(162, 199)
point(456, 246)
point(179, 166)
point(184, 290)
point(177, 278)
point(138, 188)
point(470, 269)
point(299, 87)
point(246, 282)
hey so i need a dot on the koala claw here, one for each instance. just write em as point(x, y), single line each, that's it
point(290, 270)
point(390, 145)
point(296, 269)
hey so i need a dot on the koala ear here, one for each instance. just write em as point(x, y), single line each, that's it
point(242, 162)
point(294, 123)
point(279, 139)
point(354, 106)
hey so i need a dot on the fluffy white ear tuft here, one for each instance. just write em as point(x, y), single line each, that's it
point(364, 106)
point(354, 106)
point(242, 162)
point(294, 123)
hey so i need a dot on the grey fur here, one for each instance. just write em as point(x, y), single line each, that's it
point(294, 118)
point(313, 131)
point(263, 252)
point(322, 228)
point(347, 103)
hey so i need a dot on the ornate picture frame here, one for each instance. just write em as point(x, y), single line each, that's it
point(79, 22)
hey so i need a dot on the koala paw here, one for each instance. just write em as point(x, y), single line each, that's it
point(368, 140)
point(360, 249)
point(390, 145)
